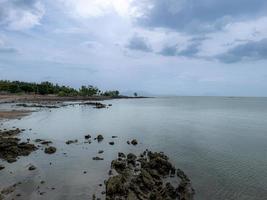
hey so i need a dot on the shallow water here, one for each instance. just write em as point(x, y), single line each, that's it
point(220, 142)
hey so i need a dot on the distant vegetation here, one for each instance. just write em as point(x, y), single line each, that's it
point(45, 88)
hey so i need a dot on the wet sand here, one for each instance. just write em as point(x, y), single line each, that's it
point(13, 114)
point(54, 98)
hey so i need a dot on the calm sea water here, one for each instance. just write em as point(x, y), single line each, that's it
point(220, 142)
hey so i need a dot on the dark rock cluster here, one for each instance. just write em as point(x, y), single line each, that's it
point(147, 177)
point(11, 147)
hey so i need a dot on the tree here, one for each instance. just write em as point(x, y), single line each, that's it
point(89, 90)
point(135, 94)
point(114, 93)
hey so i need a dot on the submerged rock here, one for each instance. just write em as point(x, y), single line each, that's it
point(71, 141)
point(134, 142)
point(87, 137)
point(97, 158)
point(95, 104)
point(32, 167)
point(46, 142)
point(144, 177)
point(2, 167)
point(100, 138)
point(50, 150)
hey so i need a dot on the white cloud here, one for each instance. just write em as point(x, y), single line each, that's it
point(97, 8)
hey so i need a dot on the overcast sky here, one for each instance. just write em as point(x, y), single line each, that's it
point(169, 47)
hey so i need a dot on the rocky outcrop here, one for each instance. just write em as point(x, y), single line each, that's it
point(148, 176)
point(11, 147)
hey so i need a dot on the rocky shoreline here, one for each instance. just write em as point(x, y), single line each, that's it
point(149, 175)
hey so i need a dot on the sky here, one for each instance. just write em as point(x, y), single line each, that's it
point(159, 47)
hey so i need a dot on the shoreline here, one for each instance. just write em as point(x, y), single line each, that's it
point(48, 101)
point(14, 98)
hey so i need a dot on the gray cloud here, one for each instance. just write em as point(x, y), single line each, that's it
point(195, 16)
point(19, 14)
point(139, 43)
point(169, 50)
point(252, 50)
point(190, 51)
point(7, 50)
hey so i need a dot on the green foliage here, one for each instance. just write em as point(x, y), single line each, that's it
point(89, 90)
point(33, 88)
point(114, 93)
point(45, 88)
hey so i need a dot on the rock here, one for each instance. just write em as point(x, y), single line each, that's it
point(71, 141)
point(11, 147)
point(50, 150)
point(121, 155)
point(147, 180)
point(87, 137)
point(100, 151)
point(100, 138)
point(134, 142)
point(128, 142)
point(111, 143)
point(32, 167)
point(115, 185)
point(95, 104)
point(97, 158)
point(8, 190)
point(46, 142)
point(119, 165)
point(131, 158)
point(38, 140)
point(114, 136)
point(2, 167)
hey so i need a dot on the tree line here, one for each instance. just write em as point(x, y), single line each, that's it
point(46, 87)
